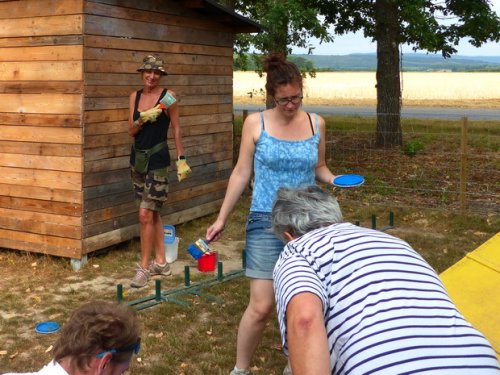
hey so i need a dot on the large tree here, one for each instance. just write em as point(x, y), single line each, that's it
point(434, 26)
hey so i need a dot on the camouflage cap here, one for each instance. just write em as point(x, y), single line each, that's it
point(152, 62)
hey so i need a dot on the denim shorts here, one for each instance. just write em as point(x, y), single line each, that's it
point(262, 247)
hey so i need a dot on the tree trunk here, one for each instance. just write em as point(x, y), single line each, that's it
point(389, 133)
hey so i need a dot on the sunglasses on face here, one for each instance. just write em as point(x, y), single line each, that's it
point(292, 99)
point(134, 347)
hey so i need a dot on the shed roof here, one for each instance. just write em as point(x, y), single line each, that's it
point(222, 14)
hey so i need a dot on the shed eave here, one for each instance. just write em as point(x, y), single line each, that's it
point(238, 23)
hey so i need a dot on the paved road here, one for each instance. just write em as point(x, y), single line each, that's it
point(409, 112)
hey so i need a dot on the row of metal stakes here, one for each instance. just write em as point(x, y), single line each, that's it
point(189, 288)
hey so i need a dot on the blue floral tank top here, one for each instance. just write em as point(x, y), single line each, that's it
point(282, 163)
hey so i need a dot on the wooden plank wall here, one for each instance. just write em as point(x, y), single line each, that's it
point(198, 53)
point(41, 157)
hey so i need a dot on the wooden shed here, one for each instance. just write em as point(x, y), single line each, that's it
point(67, 68)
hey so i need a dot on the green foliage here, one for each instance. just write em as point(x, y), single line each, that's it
point(285, 24)
point(244, 62)
point(305, 65)
point(259, 92)
point(424, 24)
point(411, 148)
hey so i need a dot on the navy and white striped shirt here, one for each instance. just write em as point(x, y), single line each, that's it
point(385, 308)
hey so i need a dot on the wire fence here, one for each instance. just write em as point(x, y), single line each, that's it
point(449, 163)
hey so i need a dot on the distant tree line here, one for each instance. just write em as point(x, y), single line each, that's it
point(367, 62)
point(304, 64)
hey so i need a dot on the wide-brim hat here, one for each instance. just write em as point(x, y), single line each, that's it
point(153, 62)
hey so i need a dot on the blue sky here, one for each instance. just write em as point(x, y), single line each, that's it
point(357, 43)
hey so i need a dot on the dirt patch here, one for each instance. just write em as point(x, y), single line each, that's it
point(49, 283)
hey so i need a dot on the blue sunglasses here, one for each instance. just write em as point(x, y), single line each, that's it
point(135, 347)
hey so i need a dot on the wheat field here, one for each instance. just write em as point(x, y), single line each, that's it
point(478, 90)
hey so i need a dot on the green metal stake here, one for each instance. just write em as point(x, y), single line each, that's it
point(220, 274)
point(187, 280)
point(391, 218)
point(356, 223)
point(374, 222)
point(119, 292)
point(158, 290)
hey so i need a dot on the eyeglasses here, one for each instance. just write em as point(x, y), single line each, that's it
point(292, 99)
point(134, 347)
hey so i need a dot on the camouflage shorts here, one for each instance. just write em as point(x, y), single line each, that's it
point(150, 189)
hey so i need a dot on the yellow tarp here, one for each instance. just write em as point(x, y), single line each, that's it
point(474, 286)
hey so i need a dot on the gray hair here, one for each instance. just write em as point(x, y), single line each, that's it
point(301, 210)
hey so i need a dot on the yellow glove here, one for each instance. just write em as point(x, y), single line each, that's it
point(183, 169)
point(151, 114)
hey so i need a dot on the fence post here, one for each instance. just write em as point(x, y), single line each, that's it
point(245, 114)
point(463, 165)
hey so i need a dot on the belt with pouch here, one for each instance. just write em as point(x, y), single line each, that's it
point(142, 156)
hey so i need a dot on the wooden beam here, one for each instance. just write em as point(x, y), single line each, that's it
point(194, 4)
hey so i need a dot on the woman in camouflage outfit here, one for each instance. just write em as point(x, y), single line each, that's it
point(149, 120)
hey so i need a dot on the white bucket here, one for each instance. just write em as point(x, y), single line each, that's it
point(172, 250)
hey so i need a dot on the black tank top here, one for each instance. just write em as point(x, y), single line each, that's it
point(151, 134)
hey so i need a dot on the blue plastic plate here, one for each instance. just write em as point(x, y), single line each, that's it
point(47, 327)
point(349, 180)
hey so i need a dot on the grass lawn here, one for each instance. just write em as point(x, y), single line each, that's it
point(200, 339)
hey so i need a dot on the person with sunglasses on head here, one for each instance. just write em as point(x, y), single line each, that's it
point(99, 339)
point(284, 147)
point(152, 110)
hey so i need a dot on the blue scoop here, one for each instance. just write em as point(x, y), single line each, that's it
point(194, 251)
